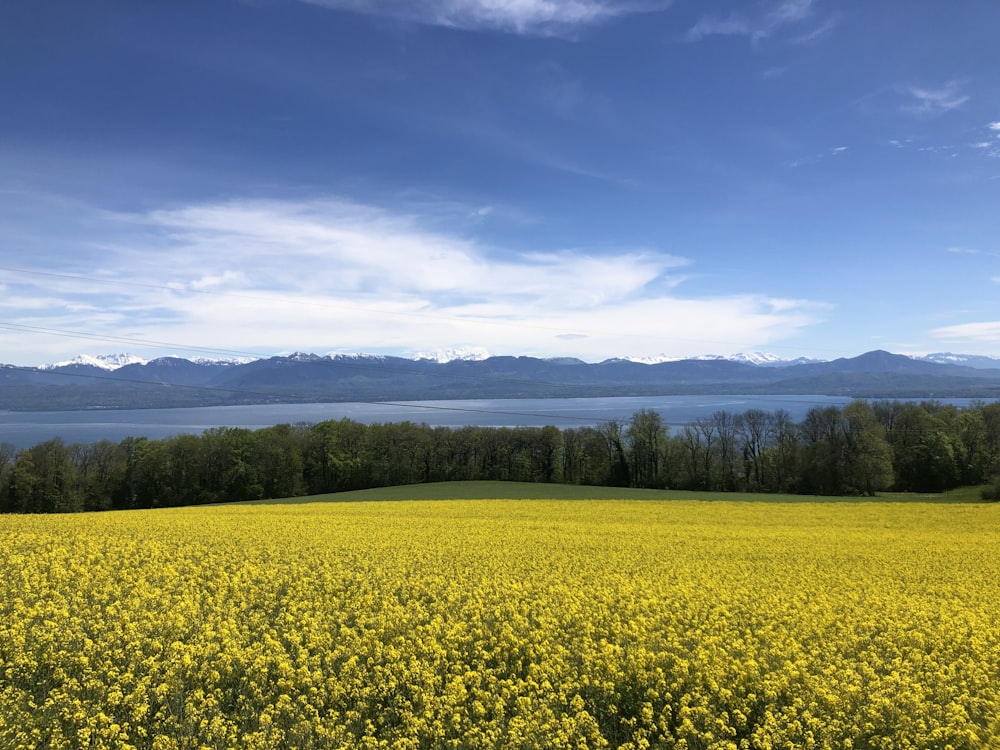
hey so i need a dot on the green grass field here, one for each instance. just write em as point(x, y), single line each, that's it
point(531, 491)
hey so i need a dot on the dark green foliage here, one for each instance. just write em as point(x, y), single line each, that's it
point(992, 494)
point(859, 450)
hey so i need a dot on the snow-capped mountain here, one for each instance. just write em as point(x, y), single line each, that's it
point(978, 361)
point(111, 362)
point(103, 361)
point(223, 360)
point(466, 353)
point(305, 377)
point(757, 359)
point(355, 356)
point(766, 359)
point(651, 360)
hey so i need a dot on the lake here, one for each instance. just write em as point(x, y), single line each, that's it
point(24, 429)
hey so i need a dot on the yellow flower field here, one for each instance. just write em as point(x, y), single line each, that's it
point(516, 624)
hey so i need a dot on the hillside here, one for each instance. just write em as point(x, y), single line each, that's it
point(174, 382)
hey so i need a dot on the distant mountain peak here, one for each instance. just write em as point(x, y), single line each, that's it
point(655, 359)
point(103, 361)
point(113, 362)
point(757, 359)
point(465, 353)
point(979, 361)
point(877, 359)
point(357, 377)
point(354, 356)
point(299, 357)
point(224, 360)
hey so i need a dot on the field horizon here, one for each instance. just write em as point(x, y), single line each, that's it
point(504, 490)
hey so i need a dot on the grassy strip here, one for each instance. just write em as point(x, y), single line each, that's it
point(533, 491)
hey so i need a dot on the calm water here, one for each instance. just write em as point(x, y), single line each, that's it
point(25, 429)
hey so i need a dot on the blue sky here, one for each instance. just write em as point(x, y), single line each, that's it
point(582, 178)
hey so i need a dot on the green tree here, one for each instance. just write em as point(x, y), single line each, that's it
point(923, 453)
point(614, 444)
point(277, 457)
point(726, 426)
point(7, 455)
point(698, 441)
point(867, 454)
point(970, 448)
point(991, 422)
point(586, 459)
point(645, 436)
point(45, 480)
point(102, 468)
point(22, 487)
point(784, 456)
point(823, 449)
point(147, 473)
point(756, 434)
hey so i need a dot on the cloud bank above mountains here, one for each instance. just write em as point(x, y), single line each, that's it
point(332, 274)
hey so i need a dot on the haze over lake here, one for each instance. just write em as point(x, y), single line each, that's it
point(25, 429)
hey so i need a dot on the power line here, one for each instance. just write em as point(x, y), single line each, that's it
point(22, 328)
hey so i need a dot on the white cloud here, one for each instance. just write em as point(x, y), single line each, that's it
point(791, 11)
point(990, 148)
point(785, 15)
point(321, 275)
point(961, 250)
point(816, 158)
point(933, 101)
point(732, 25)
point(350, 248)
point(971, 334)
point(224, 279)
point(532, 17)
point(817, 33)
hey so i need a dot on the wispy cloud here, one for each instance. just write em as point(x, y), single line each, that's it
point(960, 250)
point(815, 34)
point(835, 151)
point(988, 138)
point(530, 17)
point(712, 25)
point(785, 16)
point(563, 94)
point(330, 274)
point(924, 101)
point(990, 146)
point(970, 334)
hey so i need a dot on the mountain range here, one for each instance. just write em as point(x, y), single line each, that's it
point(760, 359)
point(125, 381)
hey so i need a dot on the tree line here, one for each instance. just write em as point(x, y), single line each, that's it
point(858, 449)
